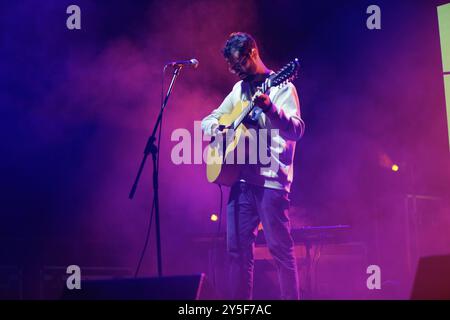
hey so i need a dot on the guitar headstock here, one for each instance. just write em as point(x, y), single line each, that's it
point(286, 74)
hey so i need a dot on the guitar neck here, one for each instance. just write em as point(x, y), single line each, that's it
point(265, 87)
point(244, 114)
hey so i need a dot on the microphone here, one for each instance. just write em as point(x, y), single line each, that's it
point(184, 63)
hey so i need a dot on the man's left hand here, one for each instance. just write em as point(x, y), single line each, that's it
point(263, 101)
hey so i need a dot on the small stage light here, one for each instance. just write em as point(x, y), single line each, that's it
point(214, 217)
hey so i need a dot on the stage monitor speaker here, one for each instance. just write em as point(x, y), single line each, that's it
point(432, 280)
point(160, 288)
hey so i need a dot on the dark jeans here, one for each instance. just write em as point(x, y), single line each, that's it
point(247, 206)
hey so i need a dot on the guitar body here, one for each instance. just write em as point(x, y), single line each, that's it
point(221, 164)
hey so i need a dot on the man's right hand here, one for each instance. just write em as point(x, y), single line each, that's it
point(220, 130)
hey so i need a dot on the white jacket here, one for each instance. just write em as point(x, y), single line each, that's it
point(285, 116)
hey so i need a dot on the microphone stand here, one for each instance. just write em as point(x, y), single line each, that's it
point(152, 148)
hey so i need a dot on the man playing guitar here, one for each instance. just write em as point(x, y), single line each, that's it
point(260, 194)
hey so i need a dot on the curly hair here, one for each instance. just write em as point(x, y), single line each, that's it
point(238, 41)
